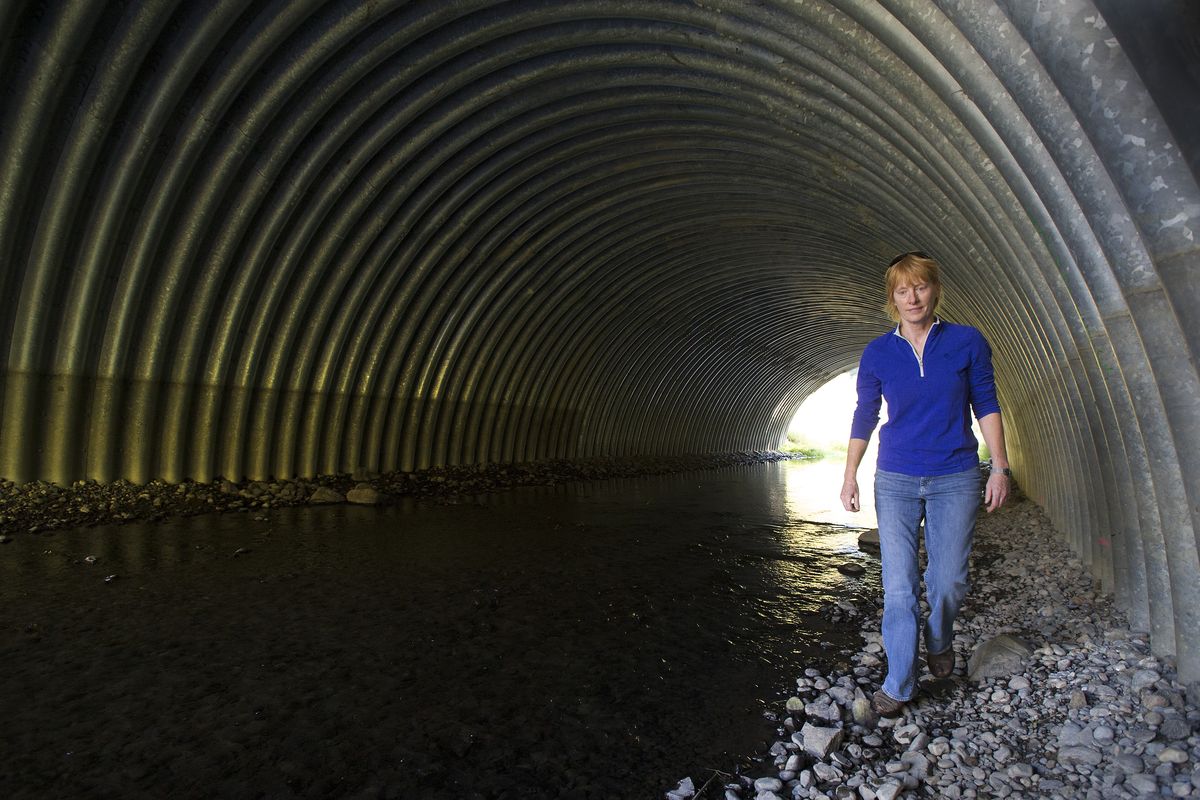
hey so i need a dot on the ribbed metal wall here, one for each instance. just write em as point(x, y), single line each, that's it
point(284, 238)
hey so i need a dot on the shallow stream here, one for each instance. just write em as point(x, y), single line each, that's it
point(588, 640)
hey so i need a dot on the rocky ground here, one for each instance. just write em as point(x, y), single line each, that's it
point(1052, 697)
point(43, 506)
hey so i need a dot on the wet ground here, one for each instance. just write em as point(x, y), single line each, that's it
point(588, 640)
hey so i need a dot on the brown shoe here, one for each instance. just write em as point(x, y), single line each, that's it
point(885, 705)
point(941, 665)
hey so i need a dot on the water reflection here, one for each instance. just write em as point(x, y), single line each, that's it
point(814, 488)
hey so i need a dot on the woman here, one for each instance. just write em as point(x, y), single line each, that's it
point(932, 374)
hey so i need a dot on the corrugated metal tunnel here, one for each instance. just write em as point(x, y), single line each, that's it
point(297, 237)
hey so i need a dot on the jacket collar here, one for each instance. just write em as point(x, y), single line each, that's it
point(936, 321)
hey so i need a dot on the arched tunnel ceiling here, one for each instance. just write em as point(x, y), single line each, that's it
point(287, 238)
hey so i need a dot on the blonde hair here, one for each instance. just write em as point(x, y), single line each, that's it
point(911, 269)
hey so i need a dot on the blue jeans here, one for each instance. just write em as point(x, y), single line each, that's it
point(948, 504)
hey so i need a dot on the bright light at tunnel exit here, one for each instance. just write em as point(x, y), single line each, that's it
point(822, 423)
point(821, 426)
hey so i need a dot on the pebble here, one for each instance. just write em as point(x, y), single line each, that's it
point(1174, 728)
point(861, 712)
point(768, 785)
point(905, 734)
point(685, 789)
point(1172, 755)
point(916, 764)
point(1128, 763)
point(1140, 735)
point(822, 708)
point(1144, 679)
point(1155, 701)
point(1078, 754)
point(826, 772)
point(888, 791)
point(1142, 783)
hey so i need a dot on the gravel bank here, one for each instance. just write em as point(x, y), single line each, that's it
point(1052, 697)
point(43, 506)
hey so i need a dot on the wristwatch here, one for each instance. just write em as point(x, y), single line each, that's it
point(1005, 471)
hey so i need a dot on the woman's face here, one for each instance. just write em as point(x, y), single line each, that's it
point(915, 302)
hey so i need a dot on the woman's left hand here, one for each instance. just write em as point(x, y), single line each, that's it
point(996, 491)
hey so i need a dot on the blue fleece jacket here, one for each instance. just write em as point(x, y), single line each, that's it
point(929, 400)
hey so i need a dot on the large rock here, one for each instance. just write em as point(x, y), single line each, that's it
point(999, 657)
point(364, 494)
point(869, 539)
point(324, 494)
point(819, 741)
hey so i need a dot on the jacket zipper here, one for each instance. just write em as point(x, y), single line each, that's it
point(920, 360)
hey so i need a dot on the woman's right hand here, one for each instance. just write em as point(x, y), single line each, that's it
point(850, 494)
point(854, 456)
